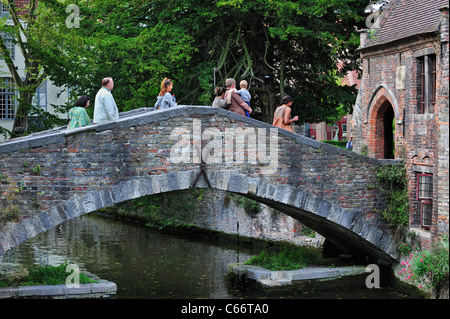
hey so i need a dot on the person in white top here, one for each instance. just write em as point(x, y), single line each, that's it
point(105, 108)
point(165, 99)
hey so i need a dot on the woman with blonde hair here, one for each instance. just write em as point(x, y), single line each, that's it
point(165, 98)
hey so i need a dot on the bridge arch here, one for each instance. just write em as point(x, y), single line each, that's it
point(326, 188)
point(345, 228)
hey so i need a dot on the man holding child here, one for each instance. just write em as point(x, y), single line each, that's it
point(237, 103)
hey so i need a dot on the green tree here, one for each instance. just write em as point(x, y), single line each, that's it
point(15, 26)
point(111, 38)
point(301, 48)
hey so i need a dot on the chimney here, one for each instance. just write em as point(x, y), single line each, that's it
point(363, 35)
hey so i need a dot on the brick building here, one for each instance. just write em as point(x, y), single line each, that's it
point(402, 109)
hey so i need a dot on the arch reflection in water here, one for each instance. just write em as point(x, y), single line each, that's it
point(144, 263)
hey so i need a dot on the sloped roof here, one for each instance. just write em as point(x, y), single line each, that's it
point(405, 18)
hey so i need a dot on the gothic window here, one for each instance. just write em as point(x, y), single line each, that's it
point(426, 83)
point(425, 198)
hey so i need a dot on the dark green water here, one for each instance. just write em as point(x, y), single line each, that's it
point(149, 264)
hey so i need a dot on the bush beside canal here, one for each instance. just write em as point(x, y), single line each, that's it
point(40, 275)
point(286, 257)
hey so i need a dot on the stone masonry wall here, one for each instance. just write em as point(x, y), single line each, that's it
point(218, 211)
point(442, 118)
point(62, 174)
point(73, 162)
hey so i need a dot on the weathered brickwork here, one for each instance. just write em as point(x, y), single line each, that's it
point(326, 188)
point(391, 82)
point(441, 218)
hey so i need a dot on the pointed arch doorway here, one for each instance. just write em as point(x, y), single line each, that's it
point(388, 130)
point(382, 129)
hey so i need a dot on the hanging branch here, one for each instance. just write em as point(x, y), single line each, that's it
point(282, 66)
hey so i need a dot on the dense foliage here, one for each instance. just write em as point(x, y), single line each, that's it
point(121, 39)
point(425, 267)
point(302, 48)
point(15, 29)
point(394, 184)
point(45, 275)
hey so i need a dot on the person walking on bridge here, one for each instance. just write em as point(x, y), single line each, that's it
point(282, 115)
point(105, 108)
point(78, 115)
point(165, 99)
point(237, 103)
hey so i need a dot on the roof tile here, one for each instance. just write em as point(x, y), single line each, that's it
point(405, 18)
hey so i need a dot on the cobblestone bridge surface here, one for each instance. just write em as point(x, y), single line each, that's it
point(57, 175)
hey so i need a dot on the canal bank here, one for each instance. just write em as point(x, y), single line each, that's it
point(18, 281)
point(310, 278)
point(102, 289)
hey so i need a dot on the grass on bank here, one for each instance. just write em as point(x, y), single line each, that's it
point(286, 257)
point(43, 276)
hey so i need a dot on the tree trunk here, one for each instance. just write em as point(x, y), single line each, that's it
point(271, 100)
point(263, 58)
point(267, 89)
point(21, 118)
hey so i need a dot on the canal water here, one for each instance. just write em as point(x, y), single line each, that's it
point(147, 263)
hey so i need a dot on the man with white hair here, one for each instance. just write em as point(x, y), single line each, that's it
point(105, 108)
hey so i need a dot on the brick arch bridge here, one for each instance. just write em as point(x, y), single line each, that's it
point(51, 177)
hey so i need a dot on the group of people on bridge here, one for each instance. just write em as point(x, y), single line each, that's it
point(238, 101)
point(228, 97)
point(105, 108)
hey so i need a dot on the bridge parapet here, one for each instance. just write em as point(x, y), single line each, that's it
point(58, 175)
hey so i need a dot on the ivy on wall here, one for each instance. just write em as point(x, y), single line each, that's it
point(250, 206)
point(393, 182)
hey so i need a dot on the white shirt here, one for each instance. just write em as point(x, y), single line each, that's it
point(105, 108)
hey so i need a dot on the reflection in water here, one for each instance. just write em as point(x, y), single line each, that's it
point(146, 263)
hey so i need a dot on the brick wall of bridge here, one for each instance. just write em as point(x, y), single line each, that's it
point(39, 177)
point(39, 173)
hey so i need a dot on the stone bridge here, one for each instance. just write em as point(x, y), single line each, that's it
point(54, 176)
